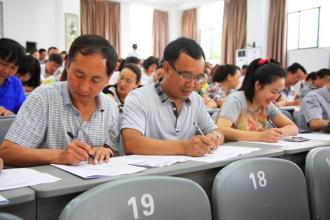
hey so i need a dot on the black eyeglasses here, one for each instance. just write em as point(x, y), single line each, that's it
point(190, 77)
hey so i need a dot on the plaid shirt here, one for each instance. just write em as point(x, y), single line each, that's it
point(48, 114)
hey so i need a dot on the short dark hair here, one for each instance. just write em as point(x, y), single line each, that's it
point(311, 76)
point(222, 72)
point(30, 65)
point(42, 50)
point(11, 51)
point(182, 45)
point(135, 70)
point(323, 73)
point(50, 48)
point(244, 66)
point(134, 46)
point(93, 44)
point(266, 72)
point(56, 58)
point(133, 60)
point(149, 61)
point(160, 63)
point(293, 68)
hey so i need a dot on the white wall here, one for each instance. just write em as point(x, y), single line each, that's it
point(312, 59)
point(257, 24)
point(40, 21)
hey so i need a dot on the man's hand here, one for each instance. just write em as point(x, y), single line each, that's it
point(216, 138)
point(5, 112)
point(75, 153)
point(101, 155)
point(198, 146)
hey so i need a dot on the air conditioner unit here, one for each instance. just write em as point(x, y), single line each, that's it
point(246, 55)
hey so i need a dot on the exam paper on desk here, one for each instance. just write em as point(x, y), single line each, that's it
point(3, 200)
point(90, 171)
point(21, 177)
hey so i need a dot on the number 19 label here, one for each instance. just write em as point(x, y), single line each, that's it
point(147, 203)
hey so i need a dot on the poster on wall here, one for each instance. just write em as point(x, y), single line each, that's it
point(71, 29)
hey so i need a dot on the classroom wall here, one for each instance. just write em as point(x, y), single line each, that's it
point(257, 24)
point(40, 21)
point(312, 59)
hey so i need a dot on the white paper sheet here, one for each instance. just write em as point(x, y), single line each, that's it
point(3, 200)
point(285, 145)
point(224, 153)
point(316, 136)
point(90, 171)
point(21, 177)
point(152, 160)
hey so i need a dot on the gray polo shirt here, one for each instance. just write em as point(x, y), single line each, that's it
point(48, 113)
point(150, 111)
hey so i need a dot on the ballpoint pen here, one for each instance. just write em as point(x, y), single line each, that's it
point(200, 131)
point(71, 135)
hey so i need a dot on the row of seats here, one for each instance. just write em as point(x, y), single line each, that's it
point(249, 189)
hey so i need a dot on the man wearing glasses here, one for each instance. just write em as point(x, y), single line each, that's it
point(168, 118)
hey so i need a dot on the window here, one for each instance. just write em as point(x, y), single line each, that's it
point(307, 24)
point(210, 18)
point(141, 29)
point(303, 23)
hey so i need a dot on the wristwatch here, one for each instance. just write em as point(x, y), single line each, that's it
point(216, 134)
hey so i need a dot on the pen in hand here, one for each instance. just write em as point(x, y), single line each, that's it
point(74, 138)
point(200, 131)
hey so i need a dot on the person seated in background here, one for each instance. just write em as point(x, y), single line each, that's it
point(42, 56)
point(50, 71)
point(52, 50)
point(129, 79)
point(29, 73)
point(159, 74)
point(115, 76)
point(210, 77)
point(208, 69)
point(11, 90)
point(314, 113)
point(134, 52)
point(321, 78)
point(35, 53)
point(289, 95)
point(201, 88)
point(243, 73)
point(246, 113)
point(225, 78)
point(149, 68)
point(72, 121)
point(309, 84)
point(169, 118)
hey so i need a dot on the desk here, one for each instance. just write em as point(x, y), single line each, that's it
point(21, 202)
point(297, 153)
point(51, 198)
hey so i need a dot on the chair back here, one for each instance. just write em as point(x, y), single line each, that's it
point(5, 123)
point(259, 189)
point(148, 197)
point(7, 216)
point(317, 172)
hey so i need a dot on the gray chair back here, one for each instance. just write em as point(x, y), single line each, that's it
point(317, 172)
point(5, 123)
point(148, 197)
point(121, 149)
point(259, 189)
point(7, 216)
